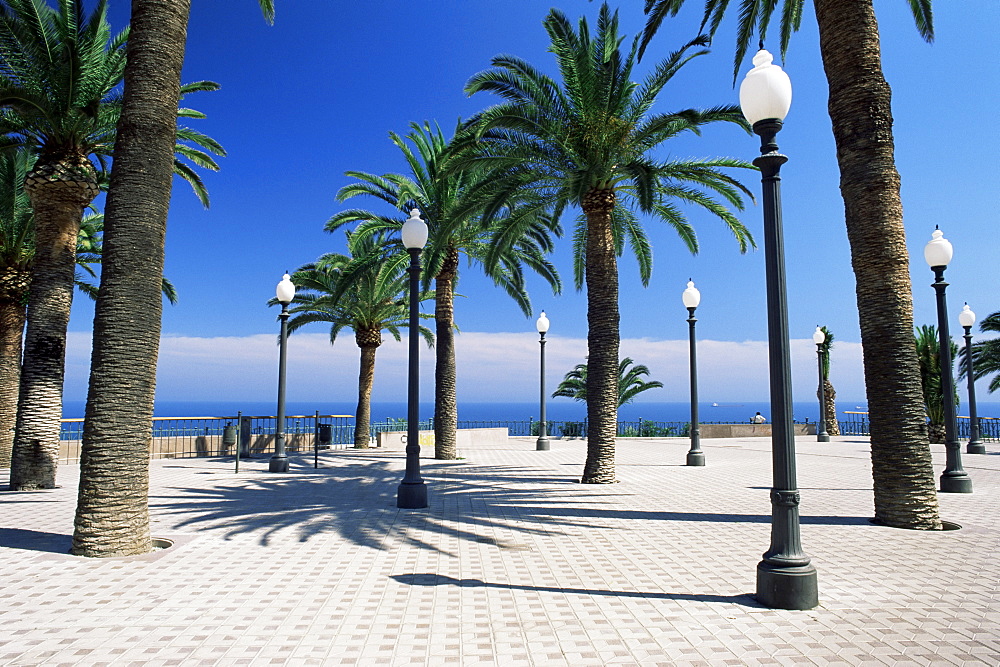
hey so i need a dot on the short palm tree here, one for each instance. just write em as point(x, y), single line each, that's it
point(929, 356)
point(516, 235)
point(376, 299)
point(59, 96)
point(829, 393)
point(630, 382)
point(985, 354)
point(587, 141)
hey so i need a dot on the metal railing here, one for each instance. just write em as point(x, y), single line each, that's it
point(989, 427)
point(186, 437)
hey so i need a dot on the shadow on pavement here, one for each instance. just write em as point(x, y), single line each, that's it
point(430, 579)
point(34, 540)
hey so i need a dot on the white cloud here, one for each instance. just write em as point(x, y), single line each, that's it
point(491, 367)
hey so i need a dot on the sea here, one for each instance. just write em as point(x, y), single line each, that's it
point(556, 410)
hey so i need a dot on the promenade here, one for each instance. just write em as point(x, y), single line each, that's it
point(514, 563)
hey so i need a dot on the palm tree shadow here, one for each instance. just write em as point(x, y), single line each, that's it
point(35, 540)
point(355, 497)
point(431, 579)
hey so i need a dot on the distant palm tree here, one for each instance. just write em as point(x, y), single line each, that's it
point(375, 299)
point(515, 236)
point(588, 141)
point(929, 356)
point(985, 354)
point(630, 382)
point(860, 108)
point(829, 393)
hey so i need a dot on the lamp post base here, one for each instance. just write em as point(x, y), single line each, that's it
point(542, 445)
point(278, 464)
point(411, 496)
point(787, 587)
point(975, 448)
point(696, 458)
point(822, 437)
point(960, 484)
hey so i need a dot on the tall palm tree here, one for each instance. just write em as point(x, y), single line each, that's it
point(16, 253)
point(587, 141)
point(516, 235)
point(630, 382)
point(59, 70)
point(375, 300)
point(112, 516)
point(861, 114)
point(928, 348)
point(829, 397)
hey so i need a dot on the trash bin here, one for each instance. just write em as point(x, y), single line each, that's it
point(325, 436)
point(229, 437)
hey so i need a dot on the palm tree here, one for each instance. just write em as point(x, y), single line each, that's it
point(985, 354)
point(58, 97)
point(861, 114)
point(376, 298)
point(515, 236)
point(829, 393)
point(587, 142)
point(928, 348)
point(630, 382)
point(112, 514)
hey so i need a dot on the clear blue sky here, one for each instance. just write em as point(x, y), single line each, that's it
point(316, 94)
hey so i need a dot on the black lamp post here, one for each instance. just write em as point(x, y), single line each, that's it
point(412, 492)
point(285, 292)
point(542, 325)
point(975, 446)
point(786, 579)
point(691, 297)
point(819, 338)
point(938, 253)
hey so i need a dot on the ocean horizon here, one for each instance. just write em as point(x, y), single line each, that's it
point(556, 410)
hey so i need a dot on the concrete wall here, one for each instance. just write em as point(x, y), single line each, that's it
point(749, 430)
point(465, 437)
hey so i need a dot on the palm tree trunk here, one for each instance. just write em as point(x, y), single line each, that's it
point(59, 192)
point(11, 330)
point(366, 379)
point(859, 107)
point(445, 398)
point(830, 409)
point(112, 514)
point(602, 338)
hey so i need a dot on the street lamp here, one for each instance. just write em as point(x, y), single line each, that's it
point(954, 479)
point(285, 292)
point(412, 492)
point(542, 325)
point(691, 297)
point(975, 446)
point(819, 338)
point(786, 579)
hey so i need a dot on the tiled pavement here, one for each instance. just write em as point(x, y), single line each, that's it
point(513, 564)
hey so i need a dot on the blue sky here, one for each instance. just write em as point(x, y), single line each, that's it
point(317, 93)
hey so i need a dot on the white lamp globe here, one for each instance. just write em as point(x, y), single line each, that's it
point(542, 324)
point(414, 231)
point(766, 91)
point(818, 336)
point(691, 296)
point(938, 251)
point(285, 291)
point(966, 318)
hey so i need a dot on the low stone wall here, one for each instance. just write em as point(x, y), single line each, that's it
point(464, 438)
point(749, 430)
